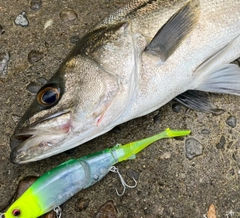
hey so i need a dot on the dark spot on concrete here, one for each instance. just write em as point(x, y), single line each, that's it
point(116, 129)
point(221, 144)
point(230, 144)
point(74, 39)
point(2, 30)
point(234, 156)
point(107, 210)
point(132, 174)
point(34, 56)
point(232, 172)
point(36, 5)
point(205, 131)
point(157, 118)
point(81, 204)
point(176, 107)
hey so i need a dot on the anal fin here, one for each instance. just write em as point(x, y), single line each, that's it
point(174, 31)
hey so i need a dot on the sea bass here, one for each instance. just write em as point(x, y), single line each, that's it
point(130, 64)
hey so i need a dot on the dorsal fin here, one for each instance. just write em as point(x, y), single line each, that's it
point(174, 31)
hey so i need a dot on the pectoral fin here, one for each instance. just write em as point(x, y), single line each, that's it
point(174, 31)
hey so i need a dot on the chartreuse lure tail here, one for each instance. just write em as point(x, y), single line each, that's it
point(61, 183)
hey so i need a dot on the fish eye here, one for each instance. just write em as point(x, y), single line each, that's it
point(48, 95)
point(16, 212)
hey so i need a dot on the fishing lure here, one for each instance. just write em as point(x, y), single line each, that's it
point(59, 184)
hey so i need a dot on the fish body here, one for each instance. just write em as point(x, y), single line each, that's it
point(131, 63)
point(59, 184)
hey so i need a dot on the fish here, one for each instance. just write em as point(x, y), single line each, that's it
point(62, 182)
point(131, 63)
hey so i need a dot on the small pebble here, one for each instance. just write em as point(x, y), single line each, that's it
point(176, 107)
point(15, 118)
point(21, 20)
point(81, 204)
point(4, 59)
point(34, 56)
point(68, 15)
point(42, 80)
point(166, 155)
point(36, 4)
point(205, 131)
point(211, 212)
point(107, 210)
point(231, 121)
point(33, 87)
point(48, 24)
point(132, 174)
point(232, 172)
point(193, 148)
point(221, 144)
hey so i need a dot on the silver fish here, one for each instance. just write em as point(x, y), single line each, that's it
point(131, 63)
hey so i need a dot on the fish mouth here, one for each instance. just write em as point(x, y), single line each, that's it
point(36, 141)
point(30, 148)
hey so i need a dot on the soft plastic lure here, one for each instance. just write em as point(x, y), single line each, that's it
point(59, 184)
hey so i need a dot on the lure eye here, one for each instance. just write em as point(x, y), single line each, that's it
point(48, 95)
point(16, 212)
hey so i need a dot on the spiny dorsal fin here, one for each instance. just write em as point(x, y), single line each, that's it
point(174, 31)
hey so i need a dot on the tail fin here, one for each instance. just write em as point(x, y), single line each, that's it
point(168, 133)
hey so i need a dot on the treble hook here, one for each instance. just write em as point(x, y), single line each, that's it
point(124, 184)
point(58, 211)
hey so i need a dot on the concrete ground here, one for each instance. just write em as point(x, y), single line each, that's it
point(169, 183)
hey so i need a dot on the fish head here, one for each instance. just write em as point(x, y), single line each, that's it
point(81, 101)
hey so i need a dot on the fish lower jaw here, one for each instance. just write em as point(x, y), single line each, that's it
point(34, 147)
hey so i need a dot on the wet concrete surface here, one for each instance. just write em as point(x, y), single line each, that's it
point(169, 183)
